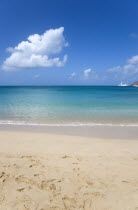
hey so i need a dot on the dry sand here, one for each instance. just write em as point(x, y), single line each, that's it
point(46, 172)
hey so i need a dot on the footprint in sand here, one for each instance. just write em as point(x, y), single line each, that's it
point(66, 156)
point(3, 177)
point(87, 205)
point(2, 174)
point(22, 179)
point(38, 175)
point(69, 202)
point(48, 185)
point(23, 189)
point(76, 169)
point(44, 185)
point(25, 205)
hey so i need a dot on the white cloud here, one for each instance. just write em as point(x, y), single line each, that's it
point(90, 74)
point(73, 74)
point(38, 51)
point(130, 67)
point(114, 69)
point(133, 60)
point(87, 73)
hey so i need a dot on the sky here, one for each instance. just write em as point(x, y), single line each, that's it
point(68, 42)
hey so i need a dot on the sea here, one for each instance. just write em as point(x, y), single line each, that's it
point(69, 105)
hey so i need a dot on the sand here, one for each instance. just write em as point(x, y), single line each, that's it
point(46, 171)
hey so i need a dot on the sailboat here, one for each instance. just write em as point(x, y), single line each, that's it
point(121, 84)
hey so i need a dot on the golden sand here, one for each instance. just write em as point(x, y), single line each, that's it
point(40, 171)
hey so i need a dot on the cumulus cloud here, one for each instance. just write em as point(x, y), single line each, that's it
point(130, 67)
point(133, 60)
point(38, 51)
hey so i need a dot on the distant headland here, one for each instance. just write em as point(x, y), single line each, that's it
point(134, 84)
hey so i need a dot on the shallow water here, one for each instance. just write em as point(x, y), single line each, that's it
point(69, 104)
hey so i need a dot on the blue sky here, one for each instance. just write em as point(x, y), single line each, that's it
point(91, 42)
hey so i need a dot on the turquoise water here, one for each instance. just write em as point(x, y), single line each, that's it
point(62, 104)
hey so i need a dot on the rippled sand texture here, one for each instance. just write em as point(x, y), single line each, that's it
point(97, 176)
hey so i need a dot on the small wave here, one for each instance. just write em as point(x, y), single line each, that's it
point(72, 124)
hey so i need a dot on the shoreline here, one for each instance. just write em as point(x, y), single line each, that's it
point(95, 131)
point(69, 122)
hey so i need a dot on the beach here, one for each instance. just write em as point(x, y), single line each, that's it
point(69, 105)
point(68, 147)
point(42, 170)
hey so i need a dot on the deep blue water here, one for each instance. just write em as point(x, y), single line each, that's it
point(69, 104)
